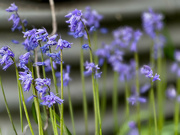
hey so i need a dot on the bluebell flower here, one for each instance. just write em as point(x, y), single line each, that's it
point(16, 20)
point(175, 65)
point(92, 17)
point(45, 48)
point(134, 99)
point(51, 99)
point(63, 44)
point(92, 68)
point(52, 40)
point(42, 85)
point(137, 36)
point(12, 8)
point(55, 57)
point(15, 41)
point(23, 59)
point(7, 56)
point(66, 77)
point(103, 53)
point(26, 78)
point(85, 46)
point(104, 30)
point(41, 35)
point(116, 57)
point(147, 71)
point(145, 87)
point(171, 92)
point(152, 22)
point(76, 23)
point(156, 77)
point(133, 128)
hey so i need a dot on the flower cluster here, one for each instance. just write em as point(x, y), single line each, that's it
point(76, 23)
point(92, 69)
point(42, 85)
point(15, 18)
point(7, 56)
point(147, 71)
point(63, 44)
point(92, 17)
point(24, 60)
point(26, 78)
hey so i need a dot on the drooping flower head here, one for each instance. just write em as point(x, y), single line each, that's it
point(76, 23)
point(55, 57)
point(51, 99)
point(133, 128)
point(23, 59)
point(42, 85)
point(26, 78)
point(92, 68)
point(6, 55)
point(152, 22)
point(63, 44)
point(12, 8)
point(175, 66)
point(92, 17)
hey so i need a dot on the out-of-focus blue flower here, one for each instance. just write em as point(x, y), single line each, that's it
point(92, 17)
point(85, 46)
point(23, 59)
point(134, 99)
point(103, 53)
point(12, 8)
point(145, 88)
point(175, 66)
point(16, 20)
point(156, 77)
point(171, 92)
point(133, 129)
point(51, 99)
point(152, 22)
point(47, 64)
point(116, 57)
point(63, 44)
point(104, 30)
point(6, 54)
point(15, 41)
point(26, 78)
point(76, 23)
point(92, 68)
point(137, 36)
point(147, 71)
point(66, 77)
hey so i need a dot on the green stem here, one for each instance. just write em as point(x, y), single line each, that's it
point(137, 91)
point(103, 101)
point(95, 46)
point(126, 97)
point(61, 119)
point(23, 101)
point(159, 93)
point(115, 102)
point(52, 120)
point(93, 85)
point(55, 124)
point(7, 108)
point(71, 111)
point(36, 101)
point(176, 113)
point(85, 108)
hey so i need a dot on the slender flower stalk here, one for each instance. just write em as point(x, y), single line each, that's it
point(115, 102)
point(126, 101)
point(23, 100)
point(61, 69)
point(85, 108)
point(7, 108)
point(71, 111)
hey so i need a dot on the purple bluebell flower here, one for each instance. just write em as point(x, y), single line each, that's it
point(175, 66)
point(15, 41)
point(52, 40)
point(44, 48)
point(51, 99)
point(16, 20)
point(63, 44)
point(103, 53)
point(104, 30)
point(152, 22)
point(145, 88)
point(26, 78)
point(171, 92)
point(31, 42)
point(156, 77)
point(92, 68)
point(76, 23)
point(135, 98)
point(147, 71)
point(85, 46)
point(92, 29)
point(55, 57)
point(7, 56)
point(41, 35)
point(137, 36)
point(42, 85)
point(133, 128)
point(92, 17)
point(30, 98)
point(116, 57)
point(12, 8)
point(23, 59)
point(66, 77)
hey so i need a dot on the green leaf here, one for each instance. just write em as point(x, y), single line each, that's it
point(34, 112)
